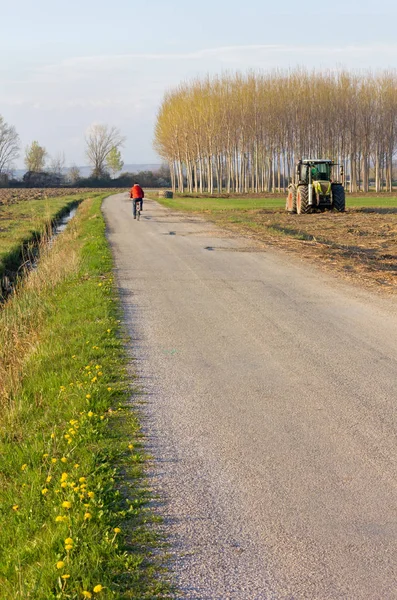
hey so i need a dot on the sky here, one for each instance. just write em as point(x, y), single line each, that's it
point(67, 65)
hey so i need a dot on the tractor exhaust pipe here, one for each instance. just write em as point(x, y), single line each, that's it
point(310, 189)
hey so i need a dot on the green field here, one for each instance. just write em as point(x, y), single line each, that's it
point(216, 205)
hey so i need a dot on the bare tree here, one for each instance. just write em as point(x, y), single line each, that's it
point(35, 157)
point(57, 164)
point(100, 140)
point(74, 174)
point(9, 145)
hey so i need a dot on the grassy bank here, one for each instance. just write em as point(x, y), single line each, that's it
point(75, 522)
point(25, 222)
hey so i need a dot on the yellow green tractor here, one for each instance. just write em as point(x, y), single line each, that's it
point(318, 186)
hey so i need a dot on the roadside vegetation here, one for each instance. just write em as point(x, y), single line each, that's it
point(360, 244)
point(74, 509)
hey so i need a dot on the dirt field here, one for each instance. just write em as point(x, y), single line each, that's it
point(12, 196)
point(360, 244)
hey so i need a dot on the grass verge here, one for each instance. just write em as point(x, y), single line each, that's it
point(74, 510)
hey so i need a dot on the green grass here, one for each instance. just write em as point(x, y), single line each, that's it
point(73, 505)
point(219, 205)
point(24, 223)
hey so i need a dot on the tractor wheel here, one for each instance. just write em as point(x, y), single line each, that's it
point(290, 205)
point(338, 197)
point(302, 200)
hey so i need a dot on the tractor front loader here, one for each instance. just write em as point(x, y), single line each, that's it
point(316, 187)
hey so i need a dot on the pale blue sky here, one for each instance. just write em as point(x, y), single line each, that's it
point(64, 65)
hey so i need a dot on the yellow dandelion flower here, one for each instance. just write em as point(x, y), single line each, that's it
point(90, 414)
point(117, 530)
point(98, 588)
point(60, 519)
point(94, 379)
point(98, 367)
point(70, 440)
point(66, 576)
point(49, 478)
point(60, 564)
point(86, 594)
point(66, 504)
point(64, 459)
point(88, 396)
point(44, 491)
point(102, 417)
point(68, 547)
point(76, 466)
point(64, 484)
point(64, 476)
point(62, 388)
point(99, 284)
point(91, 495)
point(54, 460)
point(87, 516)
point(130, 446)
point(45, 455)
point(15, 507)
point(69, 540)
point(23, 467)
point(108, 330)
point(52, 436)
point(82, 479)
point(100, 373)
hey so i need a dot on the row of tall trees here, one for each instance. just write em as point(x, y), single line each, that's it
point(244, 132)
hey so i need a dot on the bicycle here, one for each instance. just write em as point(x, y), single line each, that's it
point(137, 208)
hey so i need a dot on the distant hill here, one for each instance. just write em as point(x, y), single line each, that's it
point(86, 171)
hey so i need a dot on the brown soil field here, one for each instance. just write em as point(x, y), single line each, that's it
point(360, 244)
point(14, 195)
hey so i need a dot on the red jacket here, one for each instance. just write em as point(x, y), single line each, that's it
point(137, 192)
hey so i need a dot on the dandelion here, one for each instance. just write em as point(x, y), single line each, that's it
point(64, 476)
point(86, 594)
point(15, 507)
point(73, 356)
point(48, 478)
point(68, 547)
point(82, 479)
point(64, 459)
point(99, 284)
point(90, 414)
point(100, 373)
point(109, 389)
point(88, 396)
point(69, 540)
point(91, 495)
point(76, 466)
point(98, 588)
point(62, 388)
point(44, 491)
point(66, 576)
point(66, 504)
point(54, 460)
point(45, 455)
point(130, 446)
point(102, 417)
point(52, 436)
point(87, 516)
point(60, 519)
point(60, 564)
point(108, 330)
point(94, 379)
point(98, 367)
point(117, 530)
point(64, 484)
point(23, 467)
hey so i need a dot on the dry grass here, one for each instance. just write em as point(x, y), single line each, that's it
point(15, 195)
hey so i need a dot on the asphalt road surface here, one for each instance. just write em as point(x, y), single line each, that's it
point(270, 409)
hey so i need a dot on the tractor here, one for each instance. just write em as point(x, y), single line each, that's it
point(317, 187)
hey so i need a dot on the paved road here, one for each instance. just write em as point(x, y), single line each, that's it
point(271, 412)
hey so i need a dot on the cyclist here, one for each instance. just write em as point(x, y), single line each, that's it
point(136, 193)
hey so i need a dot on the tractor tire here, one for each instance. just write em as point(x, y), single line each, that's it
point(302, 200)
point(338, 197)
point(290, 205)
